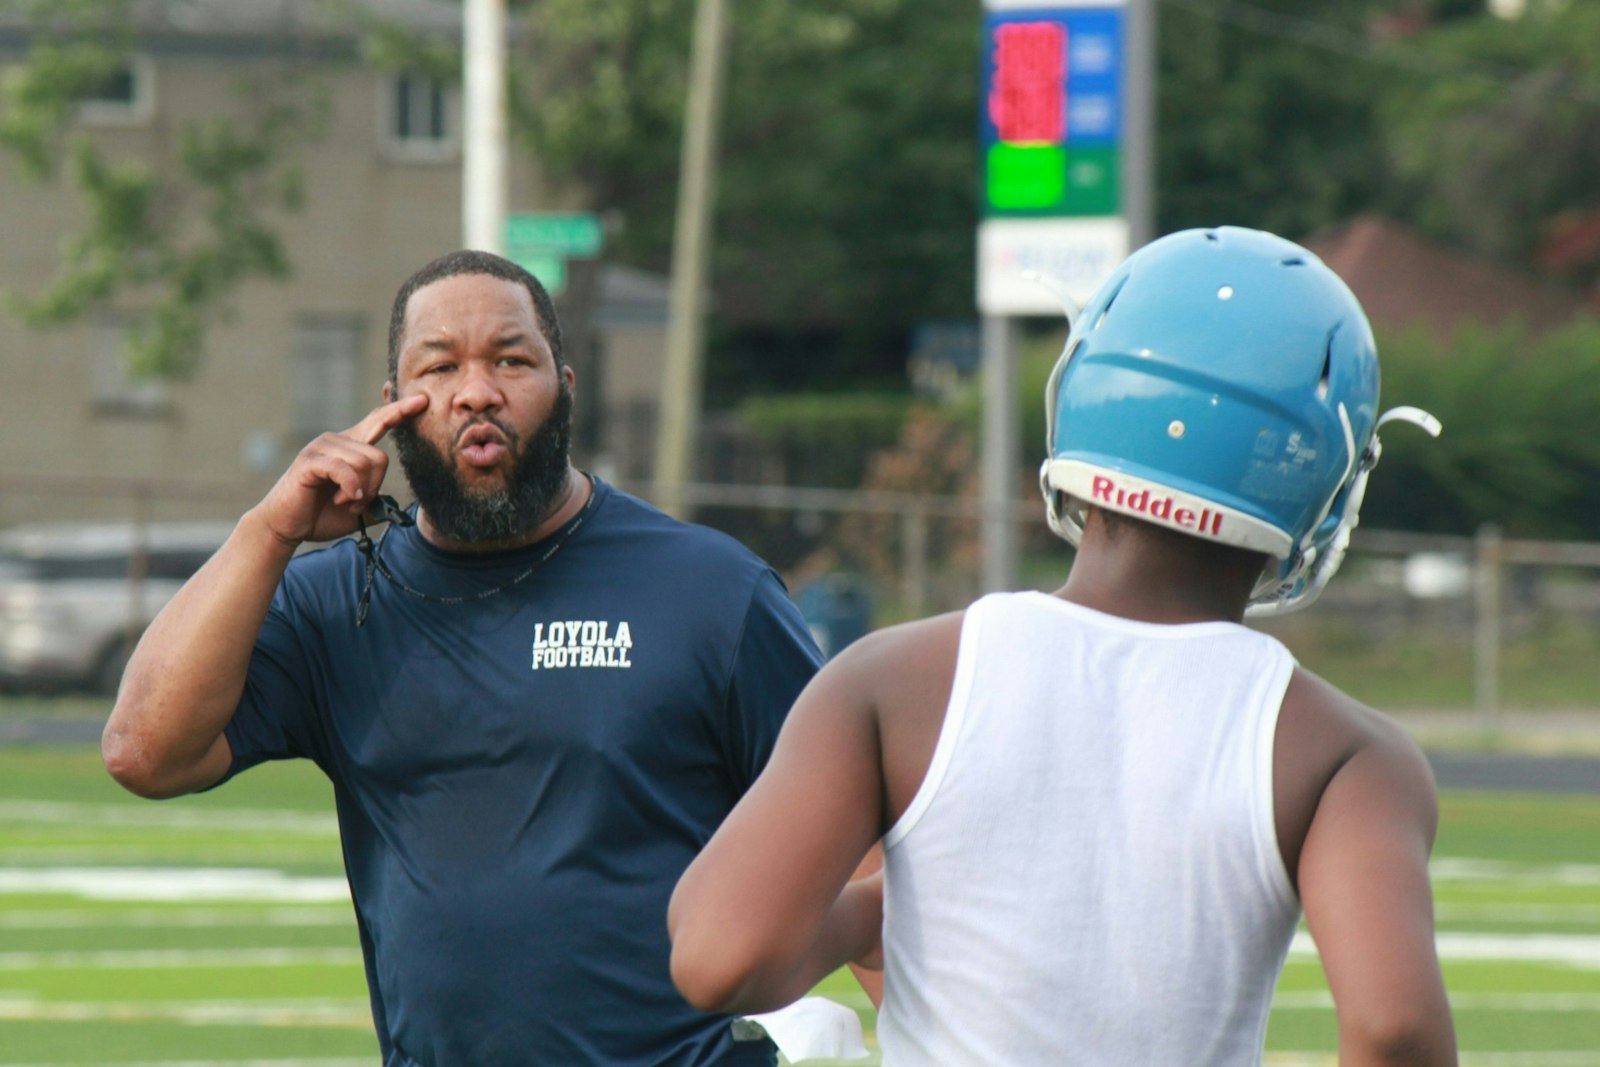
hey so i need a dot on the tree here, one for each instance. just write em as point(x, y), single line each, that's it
point(1503, 142)
point(173, 240)
point(847, 181)
point(1516, 448)
point(848, 170)
point(1267, 114)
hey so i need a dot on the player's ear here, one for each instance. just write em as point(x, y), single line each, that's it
point(388, 392)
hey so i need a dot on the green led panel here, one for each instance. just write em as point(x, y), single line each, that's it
point(1026, 177)
point(1094, 182)
point(1053, 180)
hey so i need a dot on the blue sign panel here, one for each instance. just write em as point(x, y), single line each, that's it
point(1051, 123)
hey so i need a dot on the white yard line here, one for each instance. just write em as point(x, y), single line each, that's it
point(1572, 950)
point(175, 883)
point(173, 917)
point(1320, 1000)
point(139, 959)
point(346, 1012)
point(1452, 869)
point(366, 1061)
point(1546, 1058)
point(1519, 913)
point(321, 824)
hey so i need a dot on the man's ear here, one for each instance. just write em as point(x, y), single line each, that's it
point(569, 375)
point(388, 392)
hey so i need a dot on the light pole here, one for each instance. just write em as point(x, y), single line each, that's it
point(483, 134)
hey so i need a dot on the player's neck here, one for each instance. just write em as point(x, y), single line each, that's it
point(1152, 576)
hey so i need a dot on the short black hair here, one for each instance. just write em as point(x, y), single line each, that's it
point(472, 261)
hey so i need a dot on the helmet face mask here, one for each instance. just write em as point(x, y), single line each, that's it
point(1222, 383)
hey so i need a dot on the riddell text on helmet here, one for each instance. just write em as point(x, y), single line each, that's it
point(1163, 509)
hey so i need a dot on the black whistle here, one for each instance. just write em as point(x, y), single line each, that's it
point(385, 509)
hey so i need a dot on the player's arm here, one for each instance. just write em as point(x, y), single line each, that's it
point(1363, 881)
point(868, 969)
point(768, 909)
point(184, 680)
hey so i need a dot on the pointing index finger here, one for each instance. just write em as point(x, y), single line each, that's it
point(386, 417)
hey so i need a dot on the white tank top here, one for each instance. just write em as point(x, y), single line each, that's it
point(1090, 873)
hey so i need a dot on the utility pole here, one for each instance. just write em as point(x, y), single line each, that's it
point(685, 356)
point(483, 135)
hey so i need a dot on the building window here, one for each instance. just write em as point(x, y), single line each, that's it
point(325, 376)
point(125, 97)
point(115, 390)
point(418, 116)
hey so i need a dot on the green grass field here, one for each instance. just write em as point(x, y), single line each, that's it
point(215, 930)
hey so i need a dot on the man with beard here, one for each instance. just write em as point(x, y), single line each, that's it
point(536, 697)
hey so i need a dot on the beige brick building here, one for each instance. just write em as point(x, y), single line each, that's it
point(78, 438)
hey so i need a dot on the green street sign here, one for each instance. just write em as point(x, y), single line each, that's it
point(569, 234)
point(548, 267)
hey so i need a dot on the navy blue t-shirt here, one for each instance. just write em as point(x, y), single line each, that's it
point(521, 779)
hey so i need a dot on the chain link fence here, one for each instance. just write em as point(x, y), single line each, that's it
point(1481, 622)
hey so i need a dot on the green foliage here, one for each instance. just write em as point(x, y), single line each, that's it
point(847, 170)
point(115, 245)
point(1517, 448)
point(1266, 114)
point(598, 96)
point(41, 96)
point(1038, 349)
point(851, 175)
point(934, 455)
point(1292, 115)
point(867, 416)
point(173, 239)
point(386, 46)
point(825, 439)
point(1503, 135)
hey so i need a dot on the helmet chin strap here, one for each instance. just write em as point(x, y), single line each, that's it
point(1058, 511)
point(1058, 289)
point(1415, 416)
point(1319, 568)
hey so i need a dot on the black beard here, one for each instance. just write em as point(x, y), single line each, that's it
point(473, 517)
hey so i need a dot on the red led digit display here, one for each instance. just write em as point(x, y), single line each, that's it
point(1027, 96)
point(1050, 119)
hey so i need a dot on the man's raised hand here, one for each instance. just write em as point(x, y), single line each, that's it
point(335, 478)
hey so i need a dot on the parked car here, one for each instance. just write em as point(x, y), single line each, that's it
point(74, 597)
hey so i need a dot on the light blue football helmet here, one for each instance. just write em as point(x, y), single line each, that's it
point(1222, 383)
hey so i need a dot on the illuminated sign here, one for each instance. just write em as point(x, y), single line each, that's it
point(1027, 95)
point(1051, 127)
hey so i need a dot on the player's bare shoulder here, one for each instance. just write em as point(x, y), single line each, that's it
point(909, 661)
point(905, 672)
point(907, 641)
point(1325, 734)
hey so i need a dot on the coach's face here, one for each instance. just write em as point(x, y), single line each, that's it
point(487, 458)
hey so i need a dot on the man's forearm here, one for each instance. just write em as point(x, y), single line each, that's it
point(185, 678)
